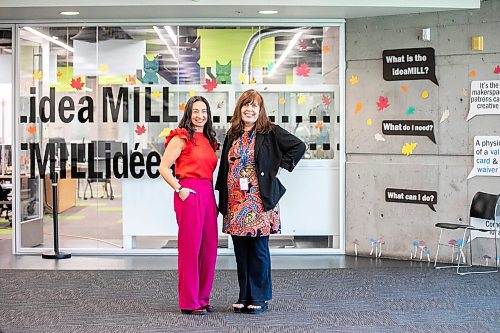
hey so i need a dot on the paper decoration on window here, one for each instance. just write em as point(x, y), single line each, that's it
point(445, 115)
point(497, 70)
point(31, 130)
point(326, 48)
point(408, 148)
point(104, 68)
point(191, 93)
point(326, 100)
point(281, 101)
point(182, 107)
point(369, 121)
point(358, 107)
point(383, 102)
point(59, 74)
point(164, 132)
point(155, 94)
point(354, 79)
point(404, 88)
point(379, 137)
point(252, 80)
point(319, 124)
point(243, 78)
point(302, 45)
point(140, 129)
point(220, 104)
point(131, 79)
point(424, 94)
point(301, 99)
point(302, 70)
point(472, 73)
point(411, 110)
point(270, 67)
point(210, 84)
point(37, 75)
point(77, 83)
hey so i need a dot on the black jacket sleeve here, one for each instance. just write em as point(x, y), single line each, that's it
point(292, 148)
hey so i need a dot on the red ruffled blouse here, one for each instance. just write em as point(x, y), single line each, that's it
point(198, 159)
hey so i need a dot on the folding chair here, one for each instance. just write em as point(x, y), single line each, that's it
point(484, 206)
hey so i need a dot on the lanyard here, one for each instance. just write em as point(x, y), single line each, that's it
point(245, 153)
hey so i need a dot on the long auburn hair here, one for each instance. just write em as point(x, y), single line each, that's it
point(263, 124)
point(186, 122)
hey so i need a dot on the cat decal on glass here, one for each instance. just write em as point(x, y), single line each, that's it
point(150, 69)
point(223, 73)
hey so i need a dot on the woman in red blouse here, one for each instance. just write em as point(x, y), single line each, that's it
point(192, 148)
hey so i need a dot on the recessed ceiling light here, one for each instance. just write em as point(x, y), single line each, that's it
point(268, 12)
point(69, 13)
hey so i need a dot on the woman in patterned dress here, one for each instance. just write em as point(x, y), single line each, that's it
point(254, 150)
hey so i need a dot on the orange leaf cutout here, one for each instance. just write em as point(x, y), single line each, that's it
point(77, 83)
point(404, 88)
point(59, 74)
point(182, 106)
point(140, 129)
point(319, 124)
point(131, 79)
point(472, 73)
point(358, 108)
point(326, 48)
point(31, 130)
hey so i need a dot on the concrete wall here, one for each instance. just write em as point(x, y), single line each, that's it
point(372, 166)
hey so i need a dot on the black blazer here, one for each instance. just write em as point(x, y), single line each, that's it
point(273, 150)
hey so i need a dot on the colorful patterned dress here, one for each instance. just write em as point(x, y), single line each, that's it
point(246, 215)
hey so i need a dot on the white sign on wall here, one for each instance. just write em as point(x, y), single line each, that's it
point(484, 98)
point(486, 156)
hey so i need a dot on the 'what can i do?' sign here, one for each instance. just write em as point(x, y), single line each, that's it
point(486, 156)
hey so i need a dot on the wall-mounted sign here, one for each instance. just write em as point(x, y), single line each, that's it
point(409, 127)
point(409, 64)
point(484, 98)
point(486, 156)
point(420, 197)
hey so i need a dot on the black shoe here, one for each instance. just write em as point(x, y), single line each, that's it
point(198, 312)
point(257, 309)
point(208, 308)
point(239, 307)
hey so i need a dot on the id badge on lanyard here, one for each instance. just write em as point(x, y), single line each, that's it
point(244, 181)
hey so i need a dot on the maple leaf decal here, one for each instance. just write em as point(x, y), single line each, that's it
point(77, 83)
point(59, 74)
point(303, 70)
point(182, 107)
point(326, 100)
point(302, 45)
point(140, 129)
point(497, 70)
point(31, 130)
point(220, 105)
point(408, 148)
point(382, 103)
point(210, 84)
point(326, 49)
point(131, 79)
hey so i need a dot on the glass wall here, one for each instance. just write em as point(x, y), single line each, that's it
point(96, 103)
point(6, 133)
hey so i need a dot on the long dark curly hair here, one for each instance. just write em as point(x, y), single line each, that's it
point(186, 123)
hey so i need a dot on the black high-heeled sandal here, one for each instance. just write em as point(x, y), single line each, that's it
point(257, 308)
point(239, 307)
point(198, 312)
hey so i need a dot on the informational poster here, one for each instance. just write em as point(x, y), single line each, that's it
point(486, 156)
point(409, 64)
point(484, 98)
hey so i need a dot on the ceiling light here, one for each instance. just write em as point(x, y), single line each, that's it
point(171, 33)
point(158, 32)
point(268, 12)
point(70, 13)
point(50, 39)
point(285, 53)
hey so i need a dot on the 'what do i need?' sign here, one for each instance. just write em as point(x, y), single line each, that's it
point(486, 156)
point(409, 64)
